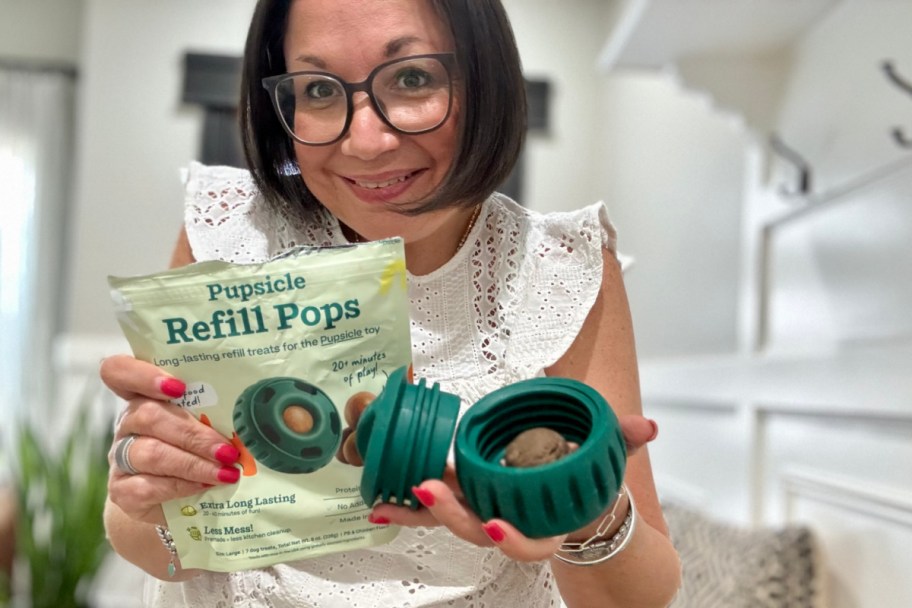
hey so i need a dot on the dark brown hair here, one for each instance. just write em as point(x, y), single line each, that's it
point(492, 106)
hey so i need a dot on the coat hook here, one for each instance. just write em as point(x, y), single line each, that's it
point(900, 138)
point(889, 69)
point(803, 182)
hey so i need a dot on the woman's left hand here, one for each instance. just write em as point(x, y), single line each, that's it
point(445, 505)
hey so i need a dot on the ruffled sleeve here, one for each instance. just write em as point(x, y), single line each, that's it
point(560, 280)
point(227, 219)
point(221, 209)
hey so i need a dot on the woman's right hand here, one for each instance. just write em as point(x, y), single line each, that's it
point(174, 454)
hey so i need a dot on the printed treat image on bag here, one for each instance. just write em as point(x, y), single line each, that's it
point(272, 354)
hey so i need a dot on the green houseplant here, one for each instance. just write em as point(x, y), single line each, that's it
point(60, 488)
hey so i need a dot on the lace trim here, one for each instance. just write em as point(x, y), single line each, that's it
point(226, 219)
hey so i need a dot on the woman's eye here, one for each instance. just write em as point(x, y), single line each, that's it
point(321, 90)
point(412, 79)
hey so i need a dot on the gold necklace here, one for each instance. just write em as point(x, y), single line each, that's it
point(472, 220)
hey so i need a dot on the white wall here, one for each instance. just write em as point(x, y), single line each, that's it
point(667, 164)
point(677, 177)
point(852, 260)
point(838, 105)
point(133, 136)
point(41, 30)
point(672, 170)
point(815, 429)
point(560, 42)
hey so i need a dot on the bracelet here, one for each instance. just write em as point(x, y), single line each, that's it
point(168, 541)
point(594, 551)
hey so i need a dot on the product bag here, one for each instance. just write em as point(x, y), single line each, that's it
point(271, 354)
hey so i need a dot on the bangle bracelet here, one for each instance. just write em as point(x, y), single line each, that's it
point(594, 551)
point(168, 541)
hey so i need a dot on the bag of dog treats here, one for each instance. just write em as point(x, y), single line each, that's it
point(271, 355)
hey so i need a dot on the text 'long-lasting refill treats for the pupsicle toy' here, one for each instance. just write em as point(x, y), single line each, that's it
point(271, 354)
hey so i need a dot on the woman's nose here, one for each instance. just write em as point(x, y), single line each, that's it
point(368, 135)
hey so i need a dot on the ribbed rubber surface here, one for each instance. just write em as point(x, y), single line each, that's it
point(404, 437)
point(549, 499)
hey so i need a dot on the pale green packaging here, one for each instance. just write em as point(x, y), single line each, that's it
point(253, 342)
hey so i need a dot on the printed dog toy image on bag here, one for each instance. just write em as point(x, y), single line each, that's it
point(271, 354)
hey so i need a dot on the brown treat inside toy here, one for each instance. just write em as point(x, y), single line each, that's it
point(535, 447)
point(298, 419)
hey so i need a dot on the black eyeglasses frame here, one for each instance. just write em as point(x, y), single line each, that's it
point(271, 84)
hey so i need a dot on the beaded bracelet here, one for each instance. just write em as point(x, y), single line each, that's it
point(168, 541)
point(593, 551)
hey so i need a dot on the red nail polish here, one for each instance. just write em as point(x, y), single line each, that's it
point(655, 429)
point(229, 475)
point(376, 519)
point(172, 387)
point(227, 454)
point(494, 532)
point(425, 497)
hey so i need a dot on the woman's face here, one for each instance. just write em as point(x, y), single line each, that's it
point(373, 165)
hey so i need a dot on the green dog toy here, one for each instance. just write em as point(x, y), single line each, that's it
point(404, 437)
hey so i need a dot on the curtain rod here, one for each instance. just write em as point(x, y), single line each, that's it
point(37, 65)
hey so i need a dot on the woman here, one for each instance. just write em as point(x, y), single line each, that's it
point(365, 119)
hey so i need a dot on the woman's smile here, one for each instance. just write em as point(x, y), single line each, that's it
point(383, 187)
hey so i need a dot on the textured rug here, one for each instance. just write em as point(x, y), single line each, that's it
point(725, 566)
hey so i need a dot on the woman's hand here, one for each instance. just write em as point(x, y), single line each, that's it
point(173, 453)
point(445, 505)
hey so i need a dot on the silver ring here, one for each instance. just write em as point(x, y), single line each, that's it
point(122, 454)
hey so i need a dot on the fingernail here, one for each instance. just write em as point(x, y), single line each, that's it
point(229, 475)
point(376, 519)
point(655, 429)
point(426, 498)
point(227, 454)
point(172, 387)
point(494, 532)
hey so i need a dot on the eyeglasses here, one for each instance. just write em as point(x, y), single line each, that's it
point(412, 95)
